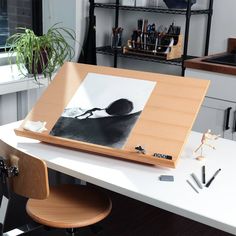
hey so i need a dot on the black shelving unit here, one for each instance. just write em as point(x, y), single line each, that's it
point(107, 50)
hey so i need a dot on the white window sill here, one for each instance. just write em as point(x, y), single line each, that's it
point(3, 55)
point(11, 81)
point(4, 58)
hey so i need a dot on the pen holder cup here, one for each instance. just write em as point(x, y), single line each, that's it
point(116, 40)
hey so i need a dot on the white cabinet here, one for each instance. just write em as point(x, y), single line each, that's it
point(218, 111)
point(8, 108)
point(234, 126)
point(15, 106)
point(216, 115)
point(17, 95)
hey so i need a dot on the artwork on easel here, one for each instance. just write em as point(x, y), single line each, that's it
point(104, 110)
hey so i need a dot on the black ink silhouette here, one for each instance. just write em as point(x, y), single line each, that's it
point(111, 129)
point(119, 107)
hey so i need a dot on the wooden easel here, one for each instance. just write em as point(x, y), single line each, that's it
point(163, 125)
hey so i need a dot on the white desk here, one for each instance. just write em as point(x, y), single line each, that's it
point(214, 206)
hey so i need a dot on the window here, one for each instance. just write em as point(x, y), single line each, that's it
point(19, 13)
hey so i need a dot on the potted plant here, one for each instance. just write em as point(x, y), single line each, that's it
point(40, 54)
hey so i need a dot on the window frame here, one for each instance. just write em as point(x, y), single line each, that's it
point(37, 16)
point(37, 19)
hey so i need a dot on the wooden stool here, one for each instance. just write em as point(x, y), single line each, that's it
point(70, 206)
point(63, 206)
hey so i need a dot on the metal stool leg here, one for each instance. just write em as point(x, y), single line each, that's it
point(71, 231)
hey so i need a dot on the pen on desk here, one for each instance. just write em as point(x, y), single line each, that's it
point(192, 186)
point(203, 174)
point(212, 178)
point(196, 180)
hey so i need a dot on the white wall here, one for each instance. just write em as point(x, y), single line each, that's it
point(55, 11)
point(81, 8)
point(223, 24)
point(73, 13)
point(59, 11)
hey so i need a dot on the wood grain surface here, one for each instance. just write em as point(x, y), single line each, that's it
point(32, 180)
point(162, 127)
point(70, 206)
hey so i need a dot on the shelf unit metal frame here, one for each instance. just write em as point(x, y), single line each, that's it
point(187, 12)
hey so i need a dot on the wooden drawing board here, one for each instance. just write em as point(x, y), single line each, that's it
point(162, 127)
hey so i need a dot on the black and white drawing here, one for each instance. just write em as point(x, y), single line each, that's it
point(104, 110)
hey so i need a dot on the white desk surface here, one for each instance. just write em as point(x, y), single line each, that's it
point(214, 206)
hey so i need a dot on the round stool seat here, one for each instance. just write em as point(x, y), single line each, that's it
point(70, 206)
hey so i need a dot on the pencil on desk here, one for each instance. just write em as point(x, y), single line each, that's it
point(196, 180)
point(212, 178)
point(192, 186)
point(203, 174)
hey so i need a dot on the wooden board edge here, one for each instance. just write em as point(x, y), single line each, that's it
point(100, 150)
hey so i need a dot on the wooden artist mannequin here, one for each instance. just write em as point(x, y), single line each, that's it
point(205, 141)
